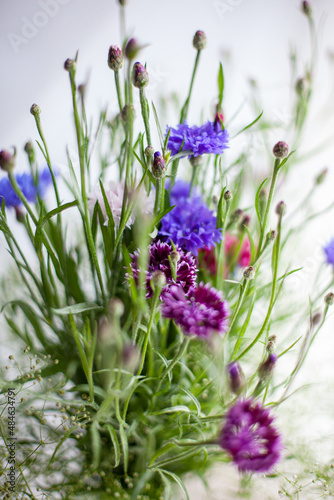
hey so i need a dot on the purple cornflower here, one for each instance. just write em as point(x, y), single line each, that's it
point(206, 139)
point(159, 254)
point(329, 251)
point(190, 225)
point(202, 313)
point(250, 437)
point(27, 186)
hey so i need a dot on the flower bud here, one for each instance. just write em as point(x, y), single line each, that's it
point(236, 378)
point(329, 299)
point(122, 2)
point(158, 280)
point(301, 87)
point(270, 236)
point(19, 214)
point(281, 149)
point(267, 367)
point(7, 160)
point(270, 347)
point(306, 8)
point(175, 256)
point(69, 65)
point(115, 57)
point(128, 113)
point(236, 215)
point(215, 199)
point(316, 318)
point(130, 358)
point(149, 153)
point(244, 222)
point(132, 48)
point(199, 40)
point(196, 161)
point(116, 307)
point(228, 195)
point(219, 120)
point(158, 166)
point(249, 273)
point(322, 176)
point(35, 110)
point(281, 208)
point(139, 76)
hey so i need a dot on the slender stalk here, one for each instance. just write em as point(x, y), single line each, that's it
point(81, 150)
point(159, 196)
point(184, 114)
point(177, 357)
point(268, 205)
point(145, 114)
point(119, 90)
point(156, 297)
point(241, 297)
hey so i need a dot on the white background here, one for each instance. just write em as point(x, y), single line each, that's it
point(251, 37)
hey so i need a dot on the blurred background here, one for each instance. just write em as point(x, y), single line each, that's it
point(254, 40)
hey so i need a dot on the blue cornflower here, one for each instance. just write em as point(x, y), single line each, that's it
point(27, 186)
point(329, 251)
point(208, 138)
point(190, 225)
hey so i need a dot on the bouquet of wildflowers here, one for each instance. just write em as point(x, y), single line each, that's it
point(148, 307)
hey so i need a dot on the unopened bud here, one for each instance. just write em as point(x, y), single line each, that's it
point(175, 256)
point(267, 367)
point(329, 299)
point(316, 318)
point(306, 8)
point(270, 236)
point(7, 160)
point(281, 208)
point(130, 358)
point(19, 214)
point(158, 166)
point(35, 110)
point(132, 48)
point(128, 114)
point(196, 161)
point(199, 40)
point(270, 347)
point(122, 2)
point(219, 120)
point(158, 280)
point(322, 176)
point(116, 307)
point(236, 215)
point(228, 195)
point(215, 199)
point(281, 149)
point(115, 57)
point(301, 87)
point(69, 65)
point(244, 222)
point(249, 273)
point(139, 76)
point(236, 378)
point(149, 152)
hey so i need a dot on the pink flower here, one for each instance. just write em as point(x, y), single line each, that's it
point(231, 244)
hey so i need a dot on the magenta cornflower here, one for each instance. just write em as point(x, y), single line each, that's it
point(202, 313)
point(159, 255)
point(250, 437)
point(206, 139)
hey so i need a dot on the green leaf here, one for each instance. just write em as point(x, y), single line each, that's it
point(177, 479)
point(57, 211)
point(78, 308)
point(125, 447)
point(96, 444)
point(172, 409)
point(257, 201)
point(32, 317)
point(114, 440)
point(162, 214)
point(194, 400)
point(161, 137)
point(248, 126)
point(161, 451)
point(220, 85)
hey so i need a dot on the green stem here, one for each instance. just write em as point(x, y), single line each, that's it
point(273, 291)
point(81, 150)
point(266, 214)
point(242, 293)
point(119, 91)
point(156, 298)
point(176, 359)
point(145, 114)
point(184, 114)
point(159, 196)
